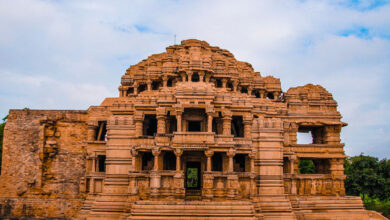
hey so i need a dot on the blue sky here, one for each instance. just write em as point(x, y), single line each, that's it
point(71, 54)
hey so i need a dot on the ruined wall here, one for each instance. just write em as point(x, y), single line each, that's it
point(43, 163)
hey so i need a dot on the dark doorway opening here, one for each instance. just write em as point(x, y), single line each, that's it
point(193, 177)
point(149, 125)
point(194, 126)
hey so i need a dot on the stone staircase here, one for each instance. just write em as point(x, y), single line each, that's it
point(192, 210)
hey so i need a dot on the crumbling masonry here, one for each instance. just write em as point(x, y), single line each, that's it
point(194, 134)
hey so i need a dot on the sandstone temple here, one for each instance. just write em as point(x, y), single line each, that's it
point(194, 134)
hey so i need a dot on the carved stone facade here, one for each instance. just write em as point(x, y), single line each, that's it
point(194, 134)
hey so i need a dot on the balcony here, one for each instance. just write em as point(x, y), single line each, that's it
point(316, 150)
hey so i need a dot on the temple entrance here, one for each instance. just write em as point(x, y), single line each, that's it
point(193, 177)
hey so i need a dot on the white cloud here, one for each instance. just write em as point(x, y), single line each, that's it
point(71, 54)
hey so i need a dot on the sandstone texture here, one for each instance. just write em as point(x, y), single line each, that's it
point(194, 134)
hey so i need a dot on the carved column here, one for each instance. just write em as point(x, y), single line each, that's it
point(91, 131)
point(178, 177)
point(230, 154)
point(227, 118)
point(133, 186)
point(262, 94)
point(209, 154)
point(208, 178)
point(232, 179)
point(276, 95)
point(247, 126)
point(165, 81)
point(138, 120)
point(161, 119)
point(149, 83)
point(224, 81)
point(179, 112)
point(235, 85)
point(209, 122)
point(135, 88)
point(155, 178)
point(201, 76)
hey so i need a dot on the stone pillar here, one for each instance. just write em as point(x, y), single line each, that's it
point(230, 154)
point(227, 120)
point(276, 95)
point(178, 119)
point(165, 81)
point(201, 76)
point(138, 120)
point(133, 187)
point(209, 154)
point(135, 85)
point(161, 119)
point(250, 88)
point(262, 94)
point(155, 178)
point(178, 153)
point(149, 83)
point(235, 85)
point(93, 159)
point(178, 178)
point(183, 77)
point(224, 82)
point(209, 123)
point(247, 126)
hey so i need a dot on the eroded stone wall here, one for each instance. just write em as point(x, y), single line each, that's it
point(43, 163)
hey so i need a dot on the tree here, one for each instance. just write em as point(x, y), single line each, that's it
point(2, 125)
point(306, 167)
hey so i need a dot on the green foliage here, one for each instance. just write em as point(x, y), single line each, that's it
point(2, 125)
point(306, 167)
point(369, 178)
point(192, 177)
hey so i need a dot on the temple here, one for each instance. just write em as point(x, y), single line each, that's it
point(194, 134)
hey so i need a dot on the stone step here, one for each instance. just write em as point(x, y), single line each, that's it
point(192, 210)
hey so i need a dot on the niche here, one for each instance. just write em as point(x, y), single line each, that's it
point(101, 131)
point(237, 126)
point(195, 77)
point(239, 163)
point(149, 125)
point(194, 126)
point(217, 161)
point(169, 160)
point(147, 161)
point(286, 165)
point(244, 90)
point(256, 93)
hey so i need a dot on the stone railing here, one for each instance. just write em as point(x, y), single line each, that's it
point(314, 184)
point(312, 150)
point(193, 137)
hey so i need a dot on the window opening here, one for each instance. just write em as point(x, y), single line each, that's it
point(141, 88)
point(256, 93)
point(170, 82)
point(147, 161)
point(130, 91)
point(244, 90)
point(217, 161)
point(217, 125)
point(171, 125)
point(87, 185)
point(218, 83)
point(237, 126)
point(311, 135)
point(230, 86)
point(286, 165)
point(270, 95)
point(194, 126)
point(169, 160)
point(101, 131)
point(156, 85)
point(195, 77)
point(239, 163)
point(149, 125)
point(101, 163)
